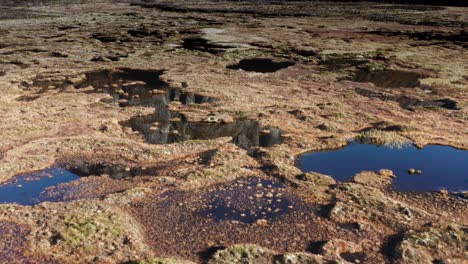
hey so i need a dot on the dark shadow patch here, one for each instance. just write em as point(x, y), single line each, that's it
point(207, 156)
point(68, 27)
point(58, 54)
point(304, 52)
point(208, 253)
point(270, 137)
point(107, 78)
point(105, 37)
point(389, 247)
point(28, 98)
point(182, 9)
point(425, 7)
point(55, 238)
point(107, 58)
point(455, 37)
point(146, 32)
point(316, 247)
point(409, 103)
point(389, 78)
point(443, 103)
point(115, 171)
point(21, 64)
point(24, 50)
point(335, 62)
point(204, 45)
point(352, 226)
point(356, 257)
point(325, 210)
point(262, 65)
point(135, 87)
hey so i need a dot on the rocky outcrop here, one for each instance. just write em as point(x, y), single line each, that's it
point(364, 203)
point(435, 243)
point(259, 255)
point(381, 179)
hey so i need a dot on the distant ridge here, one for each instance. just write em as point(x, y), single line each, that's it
point(461, 3)
point(411, 2)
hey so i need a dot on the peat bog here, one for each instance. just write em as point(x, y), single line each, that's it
point(174, 128)
point(133, 87)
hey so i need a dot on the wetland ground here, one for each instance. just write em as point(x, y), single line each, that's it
point(172, 132)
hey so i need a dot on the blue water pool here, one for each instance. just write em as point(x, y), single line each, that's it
point(29, 189)
point(442, 167)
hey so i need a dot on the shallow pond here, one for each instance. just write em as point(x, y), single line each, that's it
point(249, 200)
point(442, 167)
point(30, 188)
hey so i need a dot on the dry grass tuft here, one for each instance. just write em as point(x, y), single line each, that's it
point(383, 138)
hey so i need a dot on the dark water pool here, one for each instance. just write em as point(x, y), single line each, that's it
point(262, 65)
point(29, 189)
point(442, 167)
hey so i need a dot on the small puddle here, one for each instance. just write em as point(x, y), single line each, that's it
point(442, 167)
point(72, 182)
point(262, 65)
point(249, 200)
point(30, 188)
